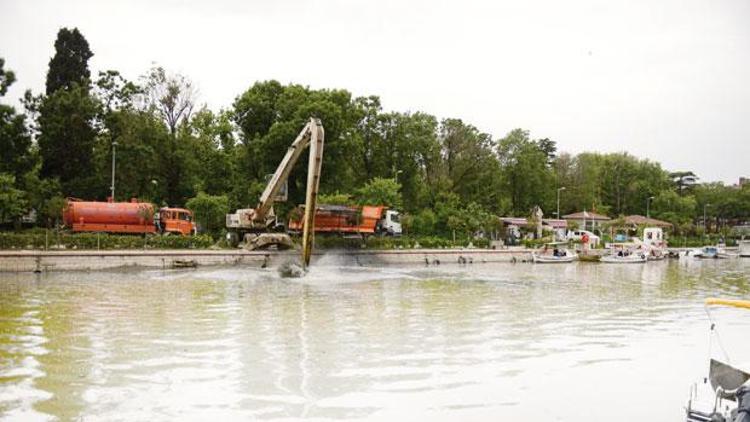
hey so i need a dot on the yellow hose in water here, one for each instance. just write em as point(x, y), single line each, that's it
point(737, 303)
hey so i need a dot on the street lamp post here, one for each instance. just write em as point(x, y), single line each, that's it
point(648, 203)
point(114, 153)
point(558, 201)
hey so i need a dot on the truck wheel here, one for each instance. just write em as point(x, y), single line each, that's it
point(233, 239)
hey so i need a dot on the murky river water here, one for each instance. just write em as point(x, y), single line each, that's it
point(580, 342)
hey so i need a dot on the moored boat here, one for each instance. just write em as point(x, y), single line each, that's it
point(656, 254)
point(589, 258)
point(625, 254)
point(634, 258)
point(711, 252)
point(745, 248)
point(554, 253)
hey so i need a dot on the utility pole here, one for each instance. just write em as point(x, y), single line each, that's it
point(558, 201)
point(648, 203)
point(114, 152)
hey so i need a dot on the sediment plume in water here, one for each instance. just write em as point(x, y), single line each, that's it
point(291, 269)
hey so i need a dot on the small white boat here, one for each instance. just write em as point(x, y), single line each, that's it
point(633, 258)
point(625, 254)
point(711, 252)
point(554, 253)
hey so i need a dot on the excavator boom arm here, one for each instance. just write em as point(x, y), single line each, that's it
point(284, 169)
point(258, 219)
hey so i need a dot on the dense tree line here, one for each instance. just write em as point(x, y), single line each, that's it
point(445, 174)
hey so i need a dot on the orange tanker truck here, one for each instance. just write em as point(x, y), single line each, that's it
point(126, 217)
point(344, 219)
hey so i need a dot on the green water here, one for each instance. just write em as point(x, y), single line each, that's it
point(578, 342)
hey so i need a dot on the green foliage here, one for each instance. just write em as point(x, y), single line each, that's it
point(69, 66)
point(379, 191)
point(270, 115)
point(528, 179)
point(472, 171)
point(678, 210)
point(16, 155)
point(7, 77)
point(63, 240)
point(45, 197)
point(12, 202)
point(609, 183)
point(422, 223)
point(210, 212)
point(335, 199)
point(66, 139)
point(403, 242)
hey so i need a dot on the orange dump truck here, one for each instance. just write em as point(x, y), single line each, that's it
point(347, 219)
point(126, 217)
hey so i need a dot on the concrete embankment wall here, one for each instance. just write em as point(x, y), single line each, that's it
point(26, 261)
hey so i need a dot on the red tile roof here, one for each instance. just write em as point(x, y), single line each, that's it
point(520, 221)
point(638, 220)
point(588, 215)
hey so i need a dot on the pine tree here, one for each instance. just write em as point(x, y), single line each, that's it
point(66, 116)
point(70, 64)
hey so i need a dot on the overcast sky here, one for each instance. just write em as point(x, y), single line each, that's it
point(664, 79)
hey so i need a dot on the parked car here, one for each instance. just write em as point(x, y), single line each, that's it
point(578, 235)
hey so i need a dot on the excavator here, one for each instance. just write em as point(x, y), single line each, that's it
point(255, 226)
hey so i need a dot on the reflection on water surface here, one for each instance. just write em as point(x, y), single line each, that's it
point(574, 342)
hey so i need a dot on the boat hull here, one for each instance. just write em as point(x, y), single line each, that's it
point(542, 259)
point(633, 259)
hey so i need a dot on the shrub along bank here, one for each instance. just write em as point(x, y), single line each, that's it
point(403, 242)
point(52, 239)
point(60, 239)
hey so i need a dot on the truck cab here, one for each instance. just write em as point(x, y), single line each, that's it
point(390, 224)
point(177, 221)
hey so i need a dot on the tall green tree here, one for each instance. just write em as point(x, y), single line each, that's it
point(69, 66)
point(471, 165)
point(528, 178)
point(66, 139)
point(66, 117)
point(213, 161)
point(172, 98)
point(269, 117)
point(669, 206)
